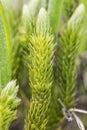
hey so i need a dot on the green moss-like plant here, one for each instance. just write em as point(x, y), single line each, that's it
point(25, 28)
point(65, 87)
point(68, 45)
point(27, 47)
point(8, 105)
point(40, 73)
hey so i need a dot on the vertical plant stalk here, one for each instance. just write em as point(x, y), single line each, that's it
point(55, 13)
point(40, 73)
point(68, 44)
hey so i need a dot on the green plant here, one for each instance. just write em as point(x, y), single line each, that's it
point(41, 53)
point(5, 53)
point(8, 100)
point(8, 105)
point(69, 42)
point(40, 72)
point(55, 11)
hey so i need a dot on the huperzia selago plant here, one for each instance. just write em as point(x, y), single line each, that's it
point(39, 48)
point(40, 72)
